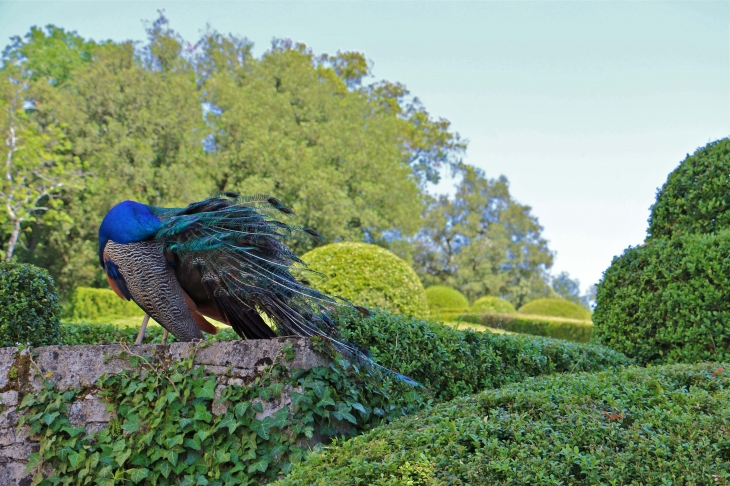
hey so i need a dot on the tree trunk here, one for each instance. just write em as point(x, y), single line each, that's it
point(13, 240)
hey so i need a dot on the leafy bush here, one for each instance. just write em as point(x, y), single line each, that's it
point(696, 196)
point(554, 327)
point(367, 275)
point(667, 300)
point(556, 308)
point(29, 307)
point(454, 363)
point(491, 304)
point(87, 303)
point(440, 297)
point(664, 425)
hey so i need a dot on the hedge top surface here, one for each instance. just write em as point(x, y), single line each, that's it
point(443, 297)
point(90, 304)
point(367, 275)
point(662, 425)
point(696, 196)
point(556, 308)
point(491, 304)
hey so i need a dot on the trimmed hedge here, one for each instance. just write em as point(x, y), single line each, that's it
point(667, 300)
point(87, 303)
point(84, 333)
point(454, 363)
point(696, 196)
point(570, 329)
point(489, 304)
point(367, 275)
point(440, 297)
point(665, 425)
point(556, 308)
point(30, 312)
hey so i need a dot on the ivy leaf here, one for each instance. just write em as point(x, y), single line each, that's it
point(241, 408)
point(206, 391)
point(202, 413)
point(230, 422)
point(192, 443)
point(48, 418)
point(280, 418)
point(259, 465)
point(258, 407)
point(318, 388)
point(357, 406)
point(132, 424)
point(121, 459)
point(261, 427)
point(137, 475)
point(165, 468)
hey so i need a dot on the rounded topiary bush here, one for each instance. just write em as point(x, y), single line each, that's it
point(29, 308)
point(367, 275)
point(555, 308)
point(489, 304)
point(667, 300)
point(440, 297)
point(696, 196)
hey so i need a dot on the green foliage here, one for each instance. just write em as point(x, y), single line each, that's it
point(91, 304)
point(349, 158)
point(84, 333)
point(667, 300)
point(440, 297)
point(29, 307)
point(483, 242)
point(455, 363)
point(560, 328)
point(369, 276)
point(665, 425)
point(696, 196)
point(491, 304)
point(166, 432)
point(556, 308)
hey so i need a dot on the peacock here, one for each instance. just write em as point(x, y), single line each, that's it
point(223, 258)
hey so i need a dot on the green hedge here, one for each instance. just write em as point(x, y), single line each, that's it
point(556, 308)
point(489, 304)
point(367, 275)
point(569, 329)
point(696, 196)
point(441, 297)
point(664, 425)
point(667, 300)
point(29, 307)
point(454, 363)
point(91, 304)
point(84, 333)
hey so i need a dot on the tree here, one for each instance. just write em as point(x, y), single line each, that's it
point(36, 165)
point(483, 242)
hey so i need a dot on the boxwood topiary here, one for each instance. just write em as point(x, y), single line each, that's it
point(491, 304)
point(555, 308)
point(667, 300)
point(29, 308)
point(91, 304)
point(367, 275)
point(696, 196)
point(440, 297)
point(658, 425)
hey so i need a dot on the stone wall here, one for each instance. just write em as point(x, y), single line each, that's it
point(22, 372)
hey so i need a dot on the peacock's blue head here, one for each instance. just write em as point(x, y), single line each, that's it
point(127, 222)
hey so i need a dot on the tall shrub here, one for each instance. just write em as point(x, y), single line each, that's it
point(29, 307)
point(440, 297)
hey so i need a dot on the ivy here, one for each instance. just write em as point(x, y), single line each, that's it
point(165, 431)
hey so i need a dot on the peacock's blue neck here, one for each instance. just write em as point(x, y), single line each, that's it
point(127, 222)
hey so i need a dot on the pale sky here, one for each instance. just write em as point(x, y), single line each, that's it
point(585, 106)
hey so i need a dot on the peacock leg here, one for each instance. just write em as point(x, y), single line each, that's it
point(142, 330)
point(164, 337)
